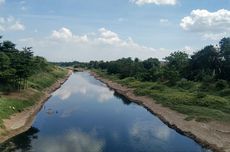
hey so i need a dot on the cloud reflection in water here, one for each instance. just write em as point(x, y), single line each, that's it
point(83, 86)
point(72, 141)
point(152, 134)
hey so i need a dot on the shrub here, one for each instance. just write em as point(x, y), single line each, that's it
point(185, 84)
point(225, 92)
point(158, 87)
point(200, 95)
point(212, 102)
point(221, 84)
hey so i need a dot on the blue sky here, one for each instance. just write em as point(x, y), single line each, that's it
point(66, 30)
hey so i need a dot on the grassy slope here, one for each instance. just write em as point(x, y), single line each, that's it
point(17, 101)
point(186, 99)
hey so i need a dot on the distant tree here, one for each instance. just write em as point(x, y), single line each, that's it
point(205, 62)
point(178, 62)
point(151, 63)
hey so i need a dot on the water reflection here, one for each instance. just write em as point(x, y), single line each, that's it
point(85, 87)
point(145, 130)
point(21, 143)
point(74, 120)
point(68, 112)
point(124, 99)
point(72, 141)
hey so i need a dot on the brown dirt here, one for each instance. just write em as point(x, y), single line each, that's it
point(213, 135)
point(21, 122)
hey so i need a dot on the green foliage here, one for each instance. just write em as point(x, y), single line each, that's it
point(11, 106)
point(178, 63)
point(38, 82)
point(221, 84)
point(200, 95)
point(158, 87)
point(16, 66)
point(225, 92)
point(21, 70)
point(205, 62)
point(43, 80)
point(185, 84)
point(197, 105)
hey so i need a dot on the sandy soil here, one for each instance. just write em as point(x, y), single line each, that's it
point(21, 122)
point(213, 135)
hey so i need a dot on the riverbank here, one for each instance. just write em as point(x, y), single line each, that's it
point(214, 135)
point(22, 121)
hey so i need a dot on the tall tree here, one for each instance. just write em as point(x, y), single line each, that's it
point(225, 56)
point(178, 61)
point(205, 62)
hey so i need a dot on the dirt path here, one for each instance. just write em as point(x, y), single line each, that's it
point(213, 135)
point(21, 122)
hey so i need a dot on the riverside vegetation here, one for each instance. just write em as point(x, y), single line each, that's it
point(23, 78)
point(196, 85)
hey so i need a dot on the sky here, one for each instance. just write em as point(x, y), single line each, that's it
point(84, 30)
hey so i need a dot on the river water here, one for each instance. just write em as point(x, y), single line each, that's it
point(84, 115)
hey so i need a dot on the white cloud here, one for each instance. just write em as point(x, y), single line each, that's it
point(10, 24)
point(215, 36)
point(64, 34)
point(108, 36)
point(188, 49)
point(2, 2)
point(157, 2)
point(211, 25)
point(103, 44)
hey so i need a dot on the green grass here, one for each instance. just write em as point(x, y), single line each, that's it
point(10, 104)
point(186, 97)
point(44, 80)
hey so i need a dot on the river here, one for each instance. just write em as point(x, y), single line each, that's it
point(84, 115)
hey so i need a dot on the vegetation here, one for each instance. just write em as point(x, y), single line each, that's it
point(196, 85)
point(16, 66)
point(23, 78)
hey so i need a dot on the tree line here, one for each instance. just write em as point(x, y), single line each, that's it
point(16, 66)
point(208, 64)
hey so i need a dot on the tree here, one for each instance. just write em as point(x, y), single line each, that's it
point(16, 66)
point(205, 62)
point(178, 61)
point(151, 63)
point(225, 56)
point(4, 66)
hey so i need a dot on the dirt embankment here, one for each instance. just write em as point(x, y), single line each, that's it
point(21, 122)
point(213, 135)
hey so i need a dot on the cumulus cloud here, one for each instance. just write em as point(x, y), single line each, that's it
point(10, 24)
point(157, 2)
point(64, 34)
point(108, 36)
point(103, 44)
point(211, 25)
